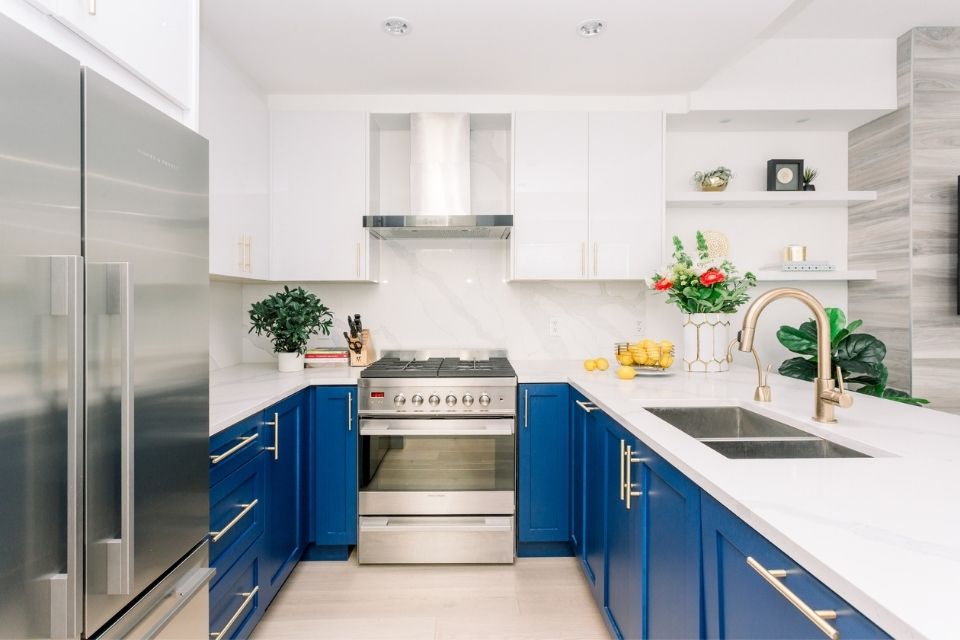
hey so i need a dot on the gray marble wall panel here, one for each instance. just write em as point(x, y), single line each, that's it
point(912, 158)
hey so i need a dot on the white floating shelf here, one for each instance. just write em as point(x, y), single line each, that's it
point(772, 275)
point(767, 199)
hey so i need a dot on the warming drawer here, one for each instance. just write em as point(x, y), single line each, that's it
point(436, 539)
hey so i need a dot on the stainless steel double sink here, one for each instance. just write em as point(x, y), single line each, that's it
point(738, 433)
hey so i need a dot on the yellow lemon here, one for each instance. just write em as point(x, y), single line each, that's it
point(626, 373)
point(589, 365)
point(625, 358)
point(666, 345)
point(666, 361)
point(646, 343)
point(640, 359)
point(602, 364)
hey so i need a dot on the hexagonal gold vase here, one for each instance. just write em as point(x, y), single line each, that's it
point(705, 340)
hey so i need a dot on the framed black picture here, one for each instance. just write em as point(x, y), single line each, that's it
point(784, 175)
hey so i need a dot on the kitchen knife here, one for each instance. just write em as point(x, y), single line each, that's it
point(353, 327)
point(358, 324)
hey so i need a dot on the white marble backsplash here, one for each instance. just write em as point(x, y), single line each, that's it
point(453, 293)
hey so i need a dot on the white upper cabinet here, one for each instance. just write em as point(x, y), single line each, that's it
point(318, 197)
point(625, 195)
point(155, 39)
point(588, 195)
point(549, 237)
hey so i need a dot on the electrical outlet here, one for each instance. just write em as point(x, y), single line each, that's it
point(641, 327)
point(554, 327)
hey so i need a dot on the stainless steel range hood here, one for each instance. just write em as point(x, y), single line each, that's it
point(440, 185)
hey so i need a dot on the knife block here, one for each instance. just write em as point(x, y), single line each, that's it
point(367, 354)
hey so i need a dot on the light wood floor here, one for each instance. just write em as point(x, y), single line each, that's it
point(536, 598)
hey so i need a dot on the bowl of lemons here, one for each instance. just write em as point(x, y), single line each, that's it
point(646, 357)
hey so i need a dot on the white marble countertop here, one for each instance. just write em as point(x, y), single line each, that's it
point(882, 532)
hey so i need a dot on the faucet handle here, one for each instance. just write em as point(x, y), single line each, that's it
point(838, 396)
point(840, 384)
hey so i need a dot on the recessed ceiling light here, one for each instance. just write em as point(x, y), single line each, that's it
point(726, 121)
point(802, 120)
point(591, 28)
point(396, 26)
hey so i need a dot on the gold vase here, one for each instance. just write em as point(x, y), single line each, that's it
point(713, 184)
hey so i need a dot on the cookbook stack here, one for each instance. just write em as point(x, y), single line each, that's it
point(326, 356)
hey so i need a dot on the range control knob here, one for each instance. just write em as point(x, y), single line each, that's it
point(399, 400)
point(417, 400)
point(468, 400)
point(451, 400)
point(484, 400)
point(434, 400)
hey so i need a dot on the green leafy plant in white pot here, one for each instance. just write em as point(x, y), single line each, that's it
point(289, 318)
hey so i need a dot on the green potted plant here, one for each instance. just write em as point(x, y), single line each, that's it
point(715, 180)
point(708, 292)
point(859, 356)
point(809, 175)
point(289, 318)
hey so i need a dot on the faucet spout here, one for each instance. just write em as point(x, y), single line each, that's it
point(827, 395)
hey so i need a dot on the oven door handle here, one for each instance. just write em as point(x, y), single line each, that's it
point(441, 427)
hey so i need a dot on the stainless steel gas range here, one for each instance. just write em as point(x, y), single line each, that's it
point(437, 458)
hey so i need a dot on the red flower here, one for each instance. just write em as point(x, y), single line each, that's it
point(711, 277)
point(662, 284)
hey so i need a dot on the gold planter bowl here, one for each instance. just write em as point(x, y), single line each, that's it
point(713, 184)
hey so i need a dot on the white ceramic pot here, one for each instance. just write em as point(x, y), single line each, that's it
point(705, 340)
point(288, 362)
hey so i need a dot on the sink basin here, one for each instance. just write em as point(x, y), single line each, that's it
point(737, 433)
point(725, 422)
point(812, 447)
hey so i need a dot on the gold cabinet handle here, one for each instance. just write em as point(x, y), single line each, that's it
point(589, 407)
point(818, 617)
point(242, 253)
point(596, 250)
point(358, 260)
point(629, 485)
point(92, 7)
point(217, 459)
point(583, 259)
point(623, 452)
point(247, 599)
point(216, 535)
point(276, 437)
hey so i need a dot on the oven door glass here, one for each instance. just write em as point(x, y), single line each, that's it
point(439, 454)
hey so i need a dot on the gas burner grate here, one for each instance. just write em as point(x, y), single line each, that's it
point(439, 368)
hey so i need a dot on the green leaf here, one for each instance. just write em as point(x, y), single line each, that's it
point(799, 368)
point(797, 340)
point(853, 326)
point(862, 347)
point(838, 321)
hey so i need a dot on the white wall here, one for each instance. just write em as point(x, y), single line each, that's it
point(226, 324)
point(757, 236)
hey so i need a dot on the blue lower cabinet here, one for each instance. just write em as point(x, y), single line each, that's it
point(237, 599)
point(596, 487)
point(285, 537)
point(580, 417)
point(742, 603)
point(543, 449)
point(233, 447)
point(623, 540)
point(334, 437)
point(237, 508)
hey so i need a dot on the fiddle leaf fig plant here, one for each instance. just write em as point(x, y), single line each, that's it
point(289, 318)
point(859, 355)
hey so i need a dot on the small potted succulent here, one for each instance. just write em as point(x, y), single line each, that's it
point(715, 180)
point(809, 175)
point(289, 318)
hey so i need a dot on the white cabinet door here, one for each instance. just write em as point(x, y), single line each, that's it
point(156, 39)
point(626, 200)
point(318, 196)
point(549, 237)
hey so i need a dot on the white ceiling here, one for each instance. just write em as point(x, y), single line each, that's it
point(529, 47)
point(484, 46)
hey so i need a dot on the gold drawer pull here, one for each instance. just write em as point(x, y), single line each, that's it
point(232, 450)
point(216, 535)
point(818, 617)
point(247, 599)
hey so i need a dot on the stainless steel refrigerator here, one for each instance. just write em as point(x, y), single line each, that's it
point(103, 356)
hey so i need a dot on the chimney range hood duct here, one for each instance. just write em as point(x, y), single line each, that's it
point(440, 185)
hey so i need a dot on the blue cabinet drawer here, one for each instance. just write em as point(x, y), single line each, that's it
point(237, 509)
point(236, 603)
point(742, 602)
point(232, 448)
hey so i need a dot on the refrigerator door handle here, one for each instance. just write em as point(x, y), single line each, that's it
point(120, 550)
point(66, 300)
